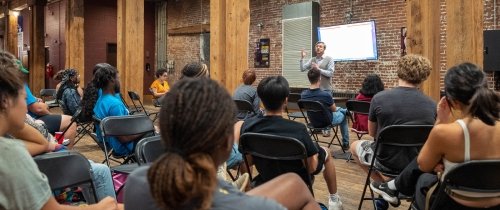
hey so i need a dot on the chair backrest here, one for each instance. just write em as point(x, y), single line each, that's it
point(126, 125)
point(137, 99)
point(66, 169)
point(316, 113)
point(277, 152)
point(359, 107)
point(470, 181)
point(245, 108)
point(407, 139)
point(47, 92)
point(149, 149)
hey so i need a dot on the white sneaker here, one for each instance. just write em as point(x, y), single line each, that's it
point(326, 133)
point(335, 204)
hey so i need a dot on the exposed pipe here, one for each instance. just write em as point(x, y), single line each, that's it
point(495, 14)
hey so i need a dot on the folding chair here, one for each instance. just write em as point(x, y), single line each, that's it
point(317, 110)
point(47, 94)
point(115, 126)
point(139, 106)
point(293, 98)
point(407, 138)
point(469, 181)
point(358, 107)
point(276, 151)
point(245, 109)
point(67, 169)
point(149, 149)
point(130, 110)
point(82, 127)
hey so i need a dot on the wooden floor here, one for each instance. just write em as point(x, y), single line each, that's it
point(350, 177)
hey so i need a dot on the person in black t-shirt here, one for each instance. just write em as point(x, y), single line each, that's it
point(273, 92)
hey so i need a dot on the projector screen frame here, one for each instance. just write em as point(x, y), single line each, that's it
point(374, 42)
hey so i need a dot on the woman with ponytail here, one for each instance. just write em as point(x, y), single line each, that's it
point(196, 123)
point(475, 135)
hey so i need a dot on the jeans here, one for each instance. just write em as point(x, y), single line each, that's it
point(102, 180)
point(235, 158)
point(339, 118)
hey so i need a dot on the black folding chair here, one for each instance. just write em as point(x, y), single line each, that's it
point(130, 110)
point(49, 97)
point(124, 126)
point(136, 101)
point(317, 110)
point(400, 138)
point(293, 98)
point(83, 128)
point(149, 149)
point(68, 169)
point(358, 107)
point(245, 109)
point(470, 181)
point(279, 152)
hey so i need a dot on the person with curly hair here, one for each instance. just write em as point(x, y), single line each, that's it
point(388, 108)
point(104, 100)
point(372, 84)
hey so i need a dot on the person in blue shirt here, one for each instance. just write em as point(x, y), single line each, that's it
point(106, 86)
point(337, 115)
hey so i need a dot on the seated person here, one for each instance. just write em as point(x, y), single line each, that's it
point(466, 90)
point(106, 86)
point(55, 123)
point(371, 86)
point(69, 95)
point(387, 108)
point(336, 114)
point(160, 86)
point(194, 70)
point(274, 92)
point(247, 92)
point(185, 176)
point(26, 187)
point(101, 174)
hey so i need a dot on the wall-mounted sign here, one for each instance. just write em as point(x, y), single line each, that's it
point(262, 53)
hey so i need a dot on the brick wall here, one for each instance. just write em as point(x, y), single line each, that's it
point(183, 49)
point(390, 16)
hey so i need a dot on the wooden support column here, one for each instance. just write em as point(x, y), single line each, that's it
point(37, 47)
point(229, 32)
point(130, 55)
point(74, 34)
point(464, 32)
point(11, 41)
point(423, 38)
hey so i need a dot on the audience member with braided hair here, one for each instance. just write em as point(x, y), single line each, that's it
point(24, 187)
point(474, 136)
point(104, 97)
point(197, 130)
point(69, 93)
